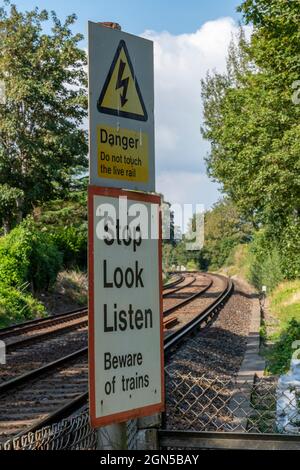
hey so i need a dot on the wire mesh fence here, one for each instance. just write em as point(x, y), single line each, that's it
point(216, 403)
point(194, 403)
point(69, 434)
point(72, 434)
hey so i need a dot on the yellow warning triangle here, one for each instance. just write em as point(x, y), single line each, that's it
point(121, 95)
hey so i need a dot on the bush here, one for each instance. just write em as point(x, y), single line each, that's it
point(66, 222)
point(275, 255)
point(17, 305)
point(266, 271)
point(279, 357)
point(265, 262)
point(290, 249)
point(237, 264)
point(10, 200)
point(192, 265)
point(29, 256)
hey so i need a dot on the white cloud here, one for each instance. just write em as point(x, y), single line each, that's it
point(187, 187)
point(179, 64)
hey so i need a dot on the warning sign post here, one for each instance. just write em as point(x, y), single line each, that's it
point(121, 102)
point(125, 307)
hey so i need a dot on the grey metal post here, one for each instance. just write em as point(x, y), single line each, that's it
point(113, 437)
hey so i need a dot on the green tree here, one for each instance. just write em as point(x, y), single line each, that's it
point(29, 256)
point(251, 120)
point(224, 228)
point(10, 201)
point(42, 143)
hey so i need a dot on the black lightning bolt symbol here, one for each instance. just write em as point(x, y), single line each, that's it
point(122, 83)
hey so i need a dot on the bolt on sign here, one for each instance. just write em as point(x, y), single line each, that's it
point(121, 102)
point(125, 305)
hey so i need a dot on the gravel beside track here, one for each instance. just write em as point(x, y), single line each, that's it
point(219, 348)
point(215, 353)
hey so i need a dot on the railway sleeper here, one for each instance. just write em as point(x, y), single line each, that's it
point(170, 323)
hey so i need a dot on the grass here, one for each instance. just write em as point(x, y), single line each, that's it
point(285, 302)
point(74, 285)
point(69, 292)
point(283, 327)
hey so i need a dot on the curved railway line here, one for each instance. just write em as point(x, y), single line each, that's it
point(40, 329)
point(31, 344)
point(43, 395)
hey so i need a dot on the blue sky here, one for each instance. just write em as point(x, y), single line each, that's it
point(189, 38)
point(136, 16)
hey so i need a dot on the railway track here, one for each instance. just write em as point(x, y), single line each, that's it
point(194, 322)
point(33, 331)
point(176, 279)
point(32, 344)
point(43, 395)
point(41, 390)
point(195, 286)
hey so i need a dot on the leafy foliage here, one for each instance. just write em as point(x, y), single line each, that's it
point(265, 263)
point(173, 255)
point(10, 202)
point(42, 143)
point(289, 248)
point(279, 357)
point(66, 223)
point(253, 126)
point(224, 228)
point(28, 255)
point(284, 322)
point(72, 242)
point(17, 305)
point(250, 118)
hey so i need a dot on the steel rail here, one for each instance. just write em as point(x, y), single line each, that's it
point(173, 291)
point(19, 328)
point(36, 373)
point(173, 283)
point(48, 367)
point(204, 316)
point(188, 299)
point(41, 336)
point(29, 324)
point(61, 320)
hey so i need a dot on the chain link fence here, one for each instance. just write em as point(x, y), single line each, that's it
point(219, 403)
point(69, 434)
point(202, 403)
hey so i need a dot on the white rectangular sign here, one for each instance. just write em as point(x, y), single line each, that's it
point(121, 102)
point(125, 306)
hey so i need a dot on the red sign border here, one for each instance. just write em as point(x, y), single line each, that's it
point(136, 412)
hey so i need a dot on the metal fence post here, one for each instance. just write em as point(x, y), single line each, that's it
point(147, 435)
point(113, 437)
